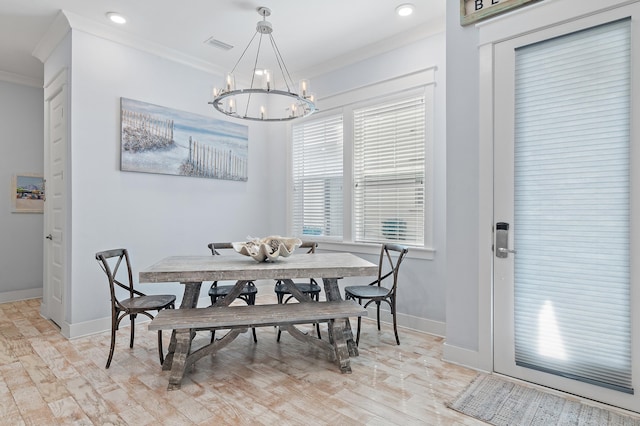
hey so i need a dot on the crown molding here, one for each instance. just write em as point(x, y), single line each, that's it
point(52, 37)
point(20, 79)
point(410, 36)
point(107, 32)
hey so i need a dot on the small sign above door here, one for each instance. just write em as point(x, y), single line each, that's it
point(475, 10)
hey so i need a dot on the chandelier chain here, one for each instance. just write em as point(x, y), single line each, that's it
point(283, 67)
point(244, 51)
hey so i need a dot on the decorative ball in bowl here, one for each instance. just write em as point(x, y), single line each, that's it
point(269, 248)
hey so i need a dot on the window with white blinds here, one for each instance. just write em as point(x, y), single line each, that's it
point(572, 208)
point(389, 172)
point(317, 156)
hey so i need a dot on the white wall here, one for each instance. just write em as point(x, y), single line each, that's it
point(21, 151)
point(151, 215)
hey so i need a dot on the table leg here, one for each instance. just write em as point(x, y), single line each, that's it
point(343, 327)
point(297, 294)
point(189, 300)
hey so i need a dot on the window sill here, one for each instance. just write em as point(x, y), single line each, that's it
point(362, 248)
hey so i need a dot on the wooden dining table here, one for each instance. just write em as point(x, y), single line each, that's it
point(192, 271)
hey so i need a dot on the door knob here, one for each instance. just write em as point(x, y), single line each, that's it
point(49, 237)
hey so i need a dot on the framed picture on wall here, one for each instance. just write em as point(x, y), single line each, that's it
point(157, 139)
point(27, 193)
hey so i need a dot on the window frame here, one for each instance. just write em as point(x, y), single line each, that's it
point(420, 83)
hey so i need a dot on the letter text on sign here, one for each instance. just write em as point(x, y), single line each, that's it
point(476, 10)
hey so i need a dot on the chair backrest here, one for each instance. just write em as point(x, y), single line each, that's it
point(214, 247)
point(110, 261)
point(311, 248)
point(311, 245)
point(391, 256)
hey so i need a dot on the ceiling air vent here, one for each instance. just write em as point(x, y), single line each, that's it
point(218, 44)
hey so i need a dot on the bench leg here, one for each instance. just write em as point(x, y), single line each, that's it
point(337, 337)
point(189, 300)
point(183, 346)
point(183, 358)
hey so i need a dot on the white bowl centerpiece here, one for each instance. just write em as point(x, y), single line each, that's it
point(269, 248)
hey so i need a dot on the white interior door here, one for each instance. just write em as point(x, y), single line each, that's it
point(566, 185)
point(55, 211)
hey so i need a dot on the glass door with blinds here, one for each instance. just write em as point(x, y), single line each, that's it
point(565, 193)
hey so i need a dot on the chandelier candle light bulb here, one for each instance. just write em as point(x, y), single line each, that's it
point(267, 79)
point(231, 84)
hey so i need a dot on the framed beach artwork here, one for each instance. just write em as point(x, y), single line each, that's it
point(27, 193)
point(156, 139)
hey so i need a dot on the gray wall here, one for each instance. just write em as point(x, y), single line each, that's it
point(21, 151)
point(462, 183)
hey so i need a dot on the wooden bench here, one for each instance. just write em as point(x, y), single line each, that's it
point(239, 319)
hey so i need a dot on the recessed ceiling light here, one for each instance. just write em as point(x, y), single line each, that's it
point(116, 18)
point(405, 9)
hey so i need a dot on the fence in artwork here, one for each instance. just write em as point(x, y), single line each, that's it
point(148, 124)
point(210, 162)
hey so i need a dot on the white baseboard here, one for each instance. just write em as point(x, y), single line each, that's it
point(462, 356)
point(87, 328)
point(423, 325)
point(14, 296)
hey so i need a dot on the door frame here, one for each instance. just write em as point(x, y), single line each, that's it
point(534, 18)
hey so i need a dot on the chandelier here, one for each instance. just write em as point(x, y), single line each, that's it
point(266, 99)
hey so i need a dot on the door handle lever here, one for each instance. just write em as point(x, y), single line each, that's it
point(49, 237)
point(502, 240)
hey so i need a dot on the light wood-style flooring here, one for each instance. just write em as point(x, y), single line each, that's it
point(46, 379)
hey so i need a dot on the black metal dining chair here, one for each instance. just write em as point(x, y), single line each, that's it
point(391, 256)
point(137, 302)
point(310, 288)
point(217, 291)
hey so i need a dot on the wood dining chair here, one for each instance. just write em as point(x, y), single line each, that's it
point(310, 288)
point(136, 303)
point(217, 291)
point(391, 256)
